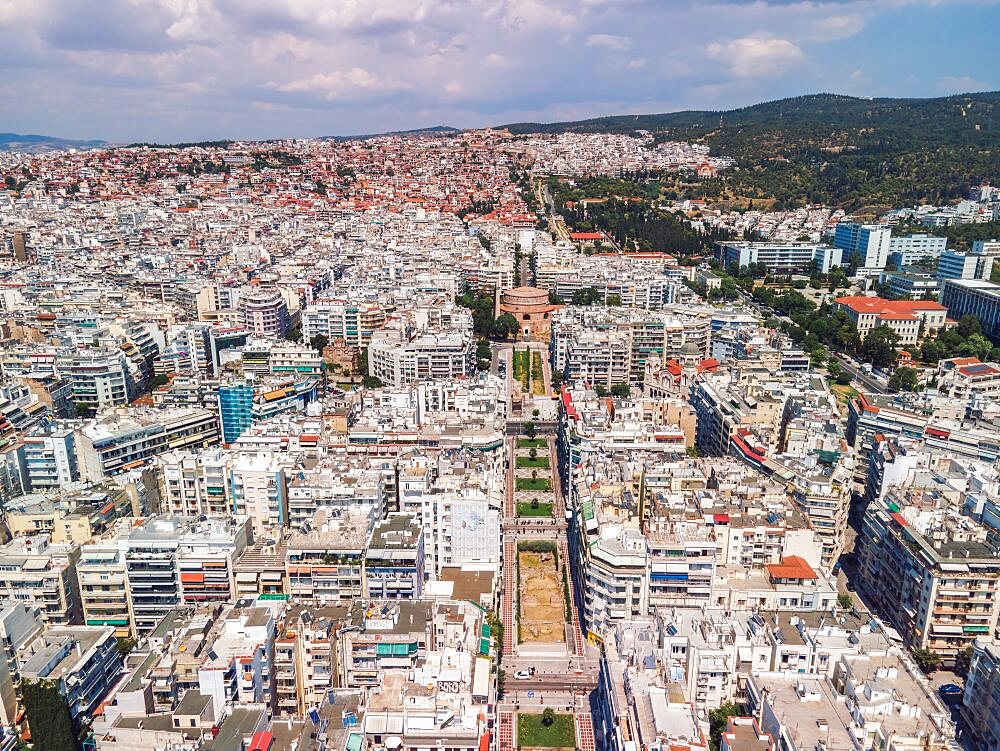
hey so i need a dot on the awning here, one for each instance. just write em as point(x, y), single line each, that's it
point(941, 628)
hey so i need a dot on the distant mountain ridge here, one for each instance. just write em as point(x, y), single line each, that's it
point(31, 143)
point(865, 155)
point(835, 110)
point(434, 130)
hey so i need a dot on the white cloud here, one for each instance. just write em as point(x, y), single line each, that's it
point(756, 57)
point(342, 84)
point(609, 41)
point(220, 67)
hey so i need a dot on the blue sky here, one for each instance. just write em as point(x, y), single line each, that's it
point(171, 70)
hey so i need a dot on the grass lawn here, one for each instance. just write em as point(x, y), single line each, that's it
point(526, 462)
point(531, 443)
point(524, 509)
point(537, 483)
point(844, 393)
point(533, 734)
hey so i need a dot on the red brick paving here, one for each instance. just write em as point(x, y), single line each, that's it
point(507, 615)
point(584, 732)
point(505, 732)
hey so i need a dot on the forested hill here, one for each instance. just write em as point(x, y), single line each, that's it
point(826, 148)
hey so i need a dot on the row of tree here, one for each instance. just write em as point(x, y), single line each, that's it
point(484, 324)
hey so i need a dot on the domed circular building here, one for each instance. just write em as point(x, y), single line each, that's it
point(532, 309)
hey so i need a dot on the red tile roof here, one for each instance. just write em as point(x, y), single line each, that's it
point(792, 567)
point(878, 305)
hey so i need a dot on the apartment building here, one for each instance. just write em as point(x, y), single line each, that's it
point(931, 572)
point(194, 483)
point(981, 700)
point(394, 560)
point(612, 345)
point(20, 625)
point(355, 323)
point(263, 313)
point(36, 571)
point(305, 656)
point(163, 563)
point(325, 559)
point(101, 379)
point(398, 361)
point(114, 444)
point(966, 377)
point(381, 636)
point(939, 422)
point(50, 458)
point(84, 661)
point(237, 668)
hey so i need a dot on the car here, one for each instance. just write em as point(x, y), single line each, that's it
point(523, 675)
point(950, 690)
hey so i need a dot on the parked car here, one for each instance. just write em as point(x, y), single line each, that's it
point(950, 690)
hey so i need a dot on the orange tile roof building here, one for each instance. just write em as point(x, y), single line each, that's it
point(911, 319)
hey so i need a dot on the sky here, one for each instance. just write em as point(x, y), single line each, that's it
point(181, 70)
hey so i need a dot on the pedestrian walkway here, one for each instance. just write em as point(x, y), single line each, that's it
point(507, 731)
point(579, 648)
point(507, 614)
point(584, 731)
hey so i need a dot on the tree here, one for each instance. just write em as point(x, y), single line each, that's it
point(614, 300)
point(967, 326)
point(529, 429)
point(535, 413)
point(363, 361)
point(622, 390)
point(903, 379)
point(160, 379)
point(844, 379)
point(586, 296)
point(548, 716)
point(879, 347)
point(319, 342)
point(976, 345)
point(963, 660)
point(48, 716)
point(533, 453)
point(483, 354)
point(718, 719)
point(505, 327)
point(125, 644)
point(371, 382)
point(294, 334)
point(927, 660)
point(844, 600)
point(601, 390)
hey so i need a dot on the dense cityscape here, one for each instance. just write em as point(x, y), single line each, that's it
point(481, 440)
